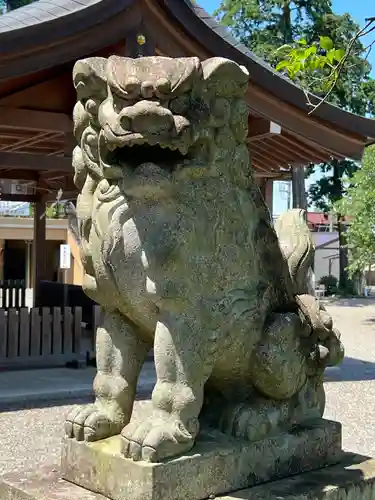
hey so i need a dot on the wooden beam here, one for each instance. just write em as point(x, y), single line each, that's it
point(282, 176)
point(40, 121)
point(39, 255)
point(27, 198)
point(260, 128)
point(19, 175)
point(36, 162)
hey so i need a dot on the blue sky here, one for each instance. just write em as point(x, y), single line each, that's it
point(359, 10)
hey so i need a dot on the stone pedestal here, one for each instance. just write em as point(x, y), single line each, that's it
point(352, 479)
point(216, 465)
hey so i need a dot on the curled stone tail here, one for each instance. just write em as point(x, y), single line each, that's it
point(297, 247)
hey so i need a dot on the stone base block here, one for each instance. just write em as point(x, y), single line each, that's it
point(216, 465)
point(352, 479)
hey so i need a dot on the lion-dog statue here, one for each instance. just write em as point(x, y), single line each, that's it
point(179, 249)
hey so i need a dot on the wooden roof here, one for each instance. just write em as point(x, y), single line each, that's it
point(39, 44)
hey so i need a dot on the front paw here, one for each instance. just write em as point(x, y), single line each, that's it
point(157, 438)
point(88, 423)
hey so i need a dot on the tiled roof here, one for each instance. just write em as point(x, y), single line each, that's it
point(44, 23)
point(41, 12)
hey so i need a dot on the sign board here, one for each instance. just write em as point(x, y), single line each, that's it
point(65, 256)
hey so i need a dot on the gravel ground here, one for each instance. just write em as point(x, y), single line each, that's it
point(350, 388)
point(30, 438)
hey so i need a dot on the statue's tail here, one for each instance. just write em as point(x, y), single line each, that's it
point(298, 248)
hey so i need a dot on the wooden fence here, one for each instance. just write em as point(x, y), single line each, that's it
point(44, 336)
point(47, 337)
point(12, 294)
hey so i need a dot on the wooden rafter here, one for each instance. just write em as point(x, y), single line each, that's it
point(279, 145)
point(270, 154)
point(306, 149)
point(30, 141)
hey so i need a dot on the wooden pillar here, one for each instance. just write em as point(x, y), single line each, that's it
point(39, 256)
point(298, 187)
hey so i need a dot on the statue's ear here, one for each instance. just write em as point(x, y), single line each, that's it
point(89, 78)
point(225, 78)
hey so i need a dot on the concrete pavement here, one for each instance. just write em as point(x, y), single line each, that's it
point(22, 388)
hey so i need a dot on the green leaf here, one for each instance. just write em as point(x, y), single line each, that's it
point(282, 65)
point(339, 54)
point(311, 51)
point(331, 56)
point(326, 43)
point(284, 48)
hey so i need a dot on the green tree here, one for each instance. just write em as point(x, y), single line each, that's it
point(263, 25)
point(326, 194)
point(305, 39)
point(359, 207)
point(351, 89)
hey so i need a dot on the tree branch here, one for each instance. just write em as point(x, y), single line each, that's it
point(341, 65)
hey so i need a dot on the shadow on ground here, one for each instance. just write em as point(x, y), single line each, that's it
point(85, 400)
point(351, 370)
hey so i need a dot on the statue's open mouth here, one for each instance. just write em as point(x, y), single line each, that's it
point(167, 158)
point(133, 150)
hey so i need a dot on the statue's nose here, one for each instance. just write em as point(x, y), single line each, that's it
point(147, 116)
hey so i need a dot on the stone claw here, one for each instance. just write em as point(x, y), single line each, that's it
point(89, 424)
point(156, 439)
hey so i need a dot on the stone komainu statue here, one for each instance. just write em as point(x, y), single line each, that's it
point(178, 247)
